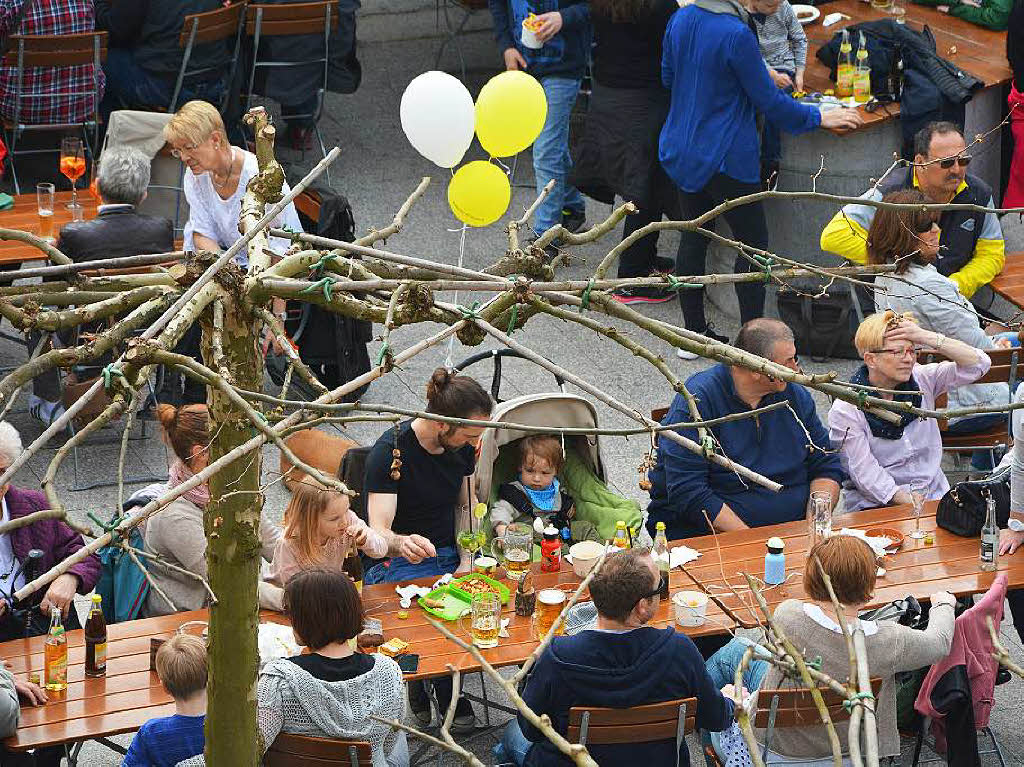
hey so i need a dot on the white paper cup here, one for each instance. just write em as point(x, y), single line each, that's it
point(529, 39)
point(691, 607)
point(584, 556)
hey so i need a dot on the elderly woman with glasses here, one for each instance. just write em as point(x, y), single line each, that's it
point(887, 461)
point(215, 179)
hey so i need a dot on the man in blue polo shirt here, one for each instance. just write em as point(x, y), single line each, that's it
point(684, 485)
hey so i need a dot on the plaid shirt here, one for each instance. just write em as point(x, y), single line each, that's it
point(71, 87)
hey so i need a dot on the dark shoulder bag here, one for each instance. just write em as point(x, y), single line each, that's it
point(962, 508)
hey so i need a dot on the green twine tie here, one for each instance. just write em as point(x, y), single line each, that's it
point(862, 398)
point(678, 285)
point(108, 527)
point(513, 319)
point(385, 351)
point(766, 266)
point(317, 269)
point(110, 372)
point(472, 313)
point(326, 284)
point(853, 700)
point(585, 298)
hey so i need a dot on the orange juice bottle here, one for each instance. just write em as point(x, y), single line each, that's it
point(56, 655)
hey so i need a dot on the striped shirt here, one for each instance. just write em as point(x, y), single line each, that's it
point(781, 38)
point(64, 89)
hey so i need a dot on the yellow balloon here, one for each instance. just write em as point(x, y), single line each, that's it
point(510, 113)
point(479, 193)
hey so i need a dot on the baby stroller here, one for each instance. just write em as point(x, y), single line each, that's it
point(583, 475)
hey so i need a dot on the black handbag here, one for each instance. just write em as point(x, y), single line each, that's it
point(962, 508)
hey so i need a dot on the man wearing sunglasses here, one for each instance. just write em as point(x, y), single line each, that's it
point(971, 248)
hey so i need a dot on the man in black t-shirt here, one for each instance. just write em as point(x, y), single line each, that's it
point(416, 514)
point(419, 512)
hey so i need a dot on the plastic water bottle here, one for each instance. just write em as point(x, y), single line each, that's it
point(775, 562)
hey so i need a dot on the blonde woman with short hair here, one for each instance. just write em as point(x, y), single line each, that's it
point(215, 179)
point(883, 460)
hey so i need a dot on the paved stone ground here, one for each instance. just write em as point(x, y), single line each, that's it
point(377, 170)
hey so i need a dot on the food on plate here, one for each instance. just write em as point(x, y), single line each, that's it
point(393, 647)
point(476, 586)
point(436, 604)
point(369, 641)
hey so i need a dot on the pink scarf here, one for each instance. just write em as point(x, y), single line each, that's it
point(179, 473)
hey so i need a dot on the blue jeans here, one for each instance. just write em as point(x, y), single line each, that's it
point(771, 136)
point(722, 667)
point(551, 158)
point(129, 86)
point(401, 569)
point(513, 745)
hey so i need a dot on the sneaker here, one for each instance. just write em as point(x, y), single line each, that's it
point(574, 220)
point(684, 354)
point(664, 265)
point(419, 703)
point(643, 294)
point(465, 720)
point(44, 411)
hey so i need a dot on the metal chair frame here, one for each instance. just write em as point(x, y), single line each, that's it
point(329, 16)
point(16, 128)
point(192, 23)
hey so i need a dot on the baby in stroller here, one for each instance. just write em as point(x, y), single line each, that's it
point(536, 497)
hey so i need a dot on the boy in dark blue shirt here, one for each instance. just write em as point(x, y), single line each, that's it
point(163, 742)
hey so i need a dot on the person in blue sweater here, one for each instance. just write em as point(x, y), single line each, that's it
point(558, 65)
point(165, 741)
point(774, 444)
point(620, 664)
point(709, 147)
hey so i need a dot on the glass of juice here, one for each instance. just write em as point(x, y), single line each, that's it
point(45, 194)
point(72, 165)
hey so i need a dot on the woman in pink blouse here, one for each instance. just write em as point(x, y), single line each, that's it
point(884, 460)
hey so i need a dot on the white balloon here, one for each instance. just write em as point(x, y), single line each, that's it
point(438, 117)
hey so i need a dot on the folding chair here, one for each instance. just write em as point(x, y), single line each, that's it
point(56, 52)
point(673, 719)
point(263, 21)
point(289, 750)
point(210, 27)
point(1005, 364)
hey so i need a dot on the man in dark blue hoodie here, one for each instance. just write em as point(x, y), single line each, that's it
point(558, 65)
point(620, 664)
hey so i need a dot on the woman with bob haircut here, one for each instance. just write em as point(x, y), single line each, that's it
point(910, 240)
point(215, 179)
point(332, 691)
point(883, 460)
point(851, 565)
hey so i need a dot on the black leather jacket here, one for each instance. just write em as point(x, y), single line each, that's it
point(116, 231)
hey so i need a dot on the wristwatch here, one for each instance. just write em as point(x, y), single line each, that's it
point(1017, 525)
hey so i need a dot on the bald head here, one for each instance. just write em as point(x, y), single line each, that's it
point(761, 335)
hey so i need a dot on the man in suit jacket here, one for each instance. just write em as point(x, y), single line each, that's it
point(118, 230)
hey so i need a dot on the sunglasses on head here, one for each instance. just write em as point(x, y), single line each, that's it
point(963, 161)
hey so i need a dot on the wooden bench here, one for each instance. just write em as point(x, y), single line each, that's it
point(673, 719)
point(289, 750)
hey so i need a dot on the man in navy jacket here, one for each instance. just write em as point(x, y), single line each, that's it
point(620, 664)
point(788, 445)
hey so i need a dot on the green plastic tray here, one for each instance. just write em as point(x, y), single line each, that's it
point(456, 603)
point(501, 588)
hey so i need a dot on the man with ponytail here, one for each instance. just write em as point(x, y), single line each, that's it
point(417, 476)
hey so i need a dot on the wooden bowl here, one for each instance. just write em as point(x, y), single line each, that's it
point(887, 532)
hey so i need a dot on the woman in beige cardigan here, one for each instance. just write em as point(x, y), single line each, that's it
point(176, 534)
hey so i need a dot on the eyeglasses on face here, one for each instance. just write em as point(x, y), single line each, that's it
point(897, 353)
point(963, 161)
point(187, 149)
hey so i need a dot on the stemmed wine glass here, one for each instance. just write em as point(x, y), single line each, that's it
point(917, 496)
point(72, 165)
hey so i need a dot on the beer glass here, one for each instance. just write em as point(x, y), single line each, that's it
point(515, 549)
point(549, 606)
point(898, 9)
point(44, 202)
point(820, 517)
point(485, 619)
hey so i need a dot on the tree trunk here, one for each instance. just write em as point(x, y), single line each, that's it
point(233, 550)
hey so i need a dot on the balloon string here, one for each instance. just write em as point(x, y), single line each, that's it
point(451, 339)
point(504, 167)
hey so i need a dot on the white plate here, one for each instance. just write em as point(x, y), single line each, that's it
point(805, 14)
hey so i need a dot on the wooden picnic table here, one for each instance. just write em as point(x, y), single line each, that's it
point(131, 694)
point(1009, 283)
point(24, 216)
point(978, 51)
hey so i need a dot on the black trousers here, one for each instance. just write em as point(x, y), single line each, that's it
point(1016, 599)
point(638, 259)
point(748, 225)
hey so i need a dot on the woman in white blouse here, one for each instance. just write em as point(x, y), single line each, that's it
point(215, 180)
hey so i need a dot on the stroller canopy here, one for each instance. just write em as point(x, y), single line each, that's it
point(550, 409)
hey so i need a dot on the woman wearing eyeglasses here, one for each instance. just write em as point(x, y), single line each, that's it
point(910, 239)
point(883, 459)
point(215, 179)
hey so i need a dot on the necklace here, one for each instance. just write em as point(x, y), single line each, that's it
point(227, 178)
